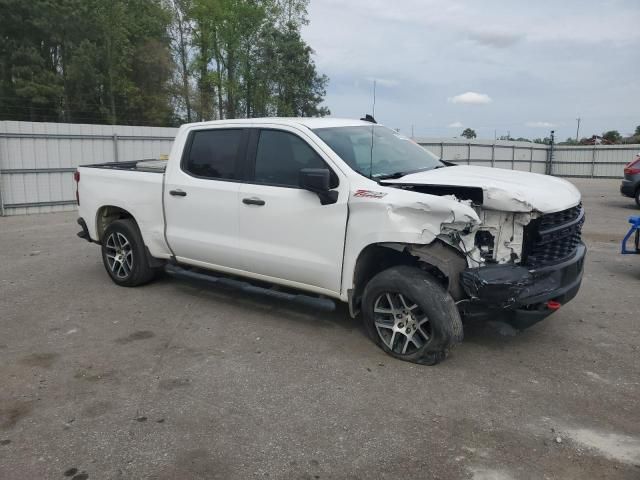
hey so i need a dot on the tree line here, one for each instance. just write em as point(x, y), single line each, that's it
point(610, 137)
point(156, 62)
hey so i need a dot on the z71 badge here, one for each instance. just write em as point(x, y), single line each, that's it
point(368, 194)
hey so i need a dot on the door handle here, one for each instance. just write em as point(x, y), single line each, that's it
point(253, 201)
point(178, 193)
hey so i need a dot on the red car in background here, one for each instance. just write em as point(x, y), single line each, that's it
point(630, 186)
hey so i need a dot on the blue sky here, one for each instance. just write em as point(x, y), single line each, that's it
point(519, 66)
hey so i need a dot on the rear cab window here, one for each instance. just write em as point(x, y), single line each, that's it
point(215, 154)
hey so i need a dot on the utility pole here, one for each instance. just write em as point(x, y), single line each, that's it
point(578, 129)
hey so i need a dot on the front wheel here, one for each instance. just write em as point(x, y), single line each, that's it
point(638, 197)
point(124, 254)
point(411, 316)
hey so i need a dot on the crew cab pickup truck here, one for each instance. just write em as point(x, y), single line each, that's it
point(344, 209)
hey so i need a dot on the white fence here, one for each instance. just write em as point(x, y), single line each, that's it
point(37, 160)
point(599, 161)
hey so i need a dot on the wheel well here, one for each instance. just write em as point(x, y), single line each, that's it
point(107, 215)
point(378, 257)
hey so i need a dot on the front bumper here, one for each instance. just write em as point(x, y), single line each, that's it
point(519, 293)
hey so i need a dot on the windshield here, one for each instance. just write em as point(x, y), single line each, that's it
point(392, 155)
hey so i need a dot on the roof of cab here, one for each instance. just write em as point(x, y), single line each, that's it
point(309, 122)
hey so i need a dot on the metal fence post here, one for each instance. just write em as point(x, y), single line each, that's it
point(531, 160)
point(550, 165)
point(513, 157)
point(1, 199)
point(441, 150)
point(115, 147)
point(493, 154)
point(1, 189)
point(469, 153)
point(593, 161)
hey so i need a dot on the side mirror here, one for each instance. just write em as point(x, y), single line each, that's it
point(317, 180)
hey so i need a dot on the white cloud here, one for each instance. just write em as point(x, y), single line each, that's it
point(455, 125)
point(471, 98)
point(427, 50)
point(540, 124)
point(495, 38)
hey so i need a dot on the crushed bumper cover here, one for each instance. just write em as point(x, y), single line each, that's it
point(520, 293)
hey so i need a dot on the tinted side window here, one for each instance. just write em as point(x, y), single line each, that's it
point(214, 153)
point(280, 157)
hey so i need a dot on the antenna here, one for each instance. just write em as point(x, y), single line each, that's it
point(373, 113)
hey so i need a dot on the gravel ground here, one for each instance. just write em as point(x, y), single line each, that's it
point(182, 380)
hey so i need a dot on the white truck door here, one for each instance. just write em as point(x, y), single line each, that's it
point(201, 198)
point(285, 232)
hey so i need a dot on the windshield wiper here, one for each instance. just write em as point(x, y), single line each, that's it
point(393, 176)
point(389, 176)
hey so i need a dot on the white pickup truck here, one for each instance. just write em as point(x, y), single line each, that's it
point(345, 209)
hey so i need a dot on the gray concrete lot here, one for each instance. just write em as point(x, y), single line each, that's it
point(182, 380)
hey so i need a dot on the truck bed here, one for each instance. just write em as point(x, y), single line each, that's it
point(148, 165)
point(135, 187)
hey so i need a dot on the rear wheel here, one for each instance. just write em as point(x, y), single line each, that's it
point(638, 197)
point(124, 254)
point(411, 316)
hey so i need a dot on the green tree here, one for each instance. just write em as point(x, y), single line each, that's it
point(612, 136)
point(180, 32)
point(85, 60)
point(250, 59)
point(469, 133)
point(155, 62)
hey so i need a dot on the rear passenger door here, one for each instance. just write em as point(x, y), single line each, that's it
point(284, 231)
point(201, 198)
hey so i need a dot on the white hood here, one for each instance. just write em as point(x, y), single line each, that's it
point(504, 190)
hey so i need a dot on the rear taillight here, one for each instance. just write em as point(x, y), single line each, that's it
point(632, 168)
point(76, 177)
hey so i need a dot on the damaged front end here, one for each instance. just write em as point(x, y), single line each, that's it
point(500, 242)
point(523, 265)
point(519, 265)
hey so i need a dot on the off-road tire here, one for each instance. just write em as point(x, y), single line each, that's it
point(430, 299)
point(137, 271)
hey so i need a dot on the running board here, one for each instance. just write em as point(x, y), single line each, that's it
point(325, 304)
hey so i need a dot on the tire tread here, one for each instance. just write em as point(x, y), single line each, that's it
point(142, 272)
point(432, 297)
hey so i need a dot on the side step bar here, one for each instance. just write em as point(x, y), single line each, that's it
point(325, 304)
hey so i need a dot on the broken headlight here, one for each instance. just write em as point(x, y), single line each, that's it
point(485, 243)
